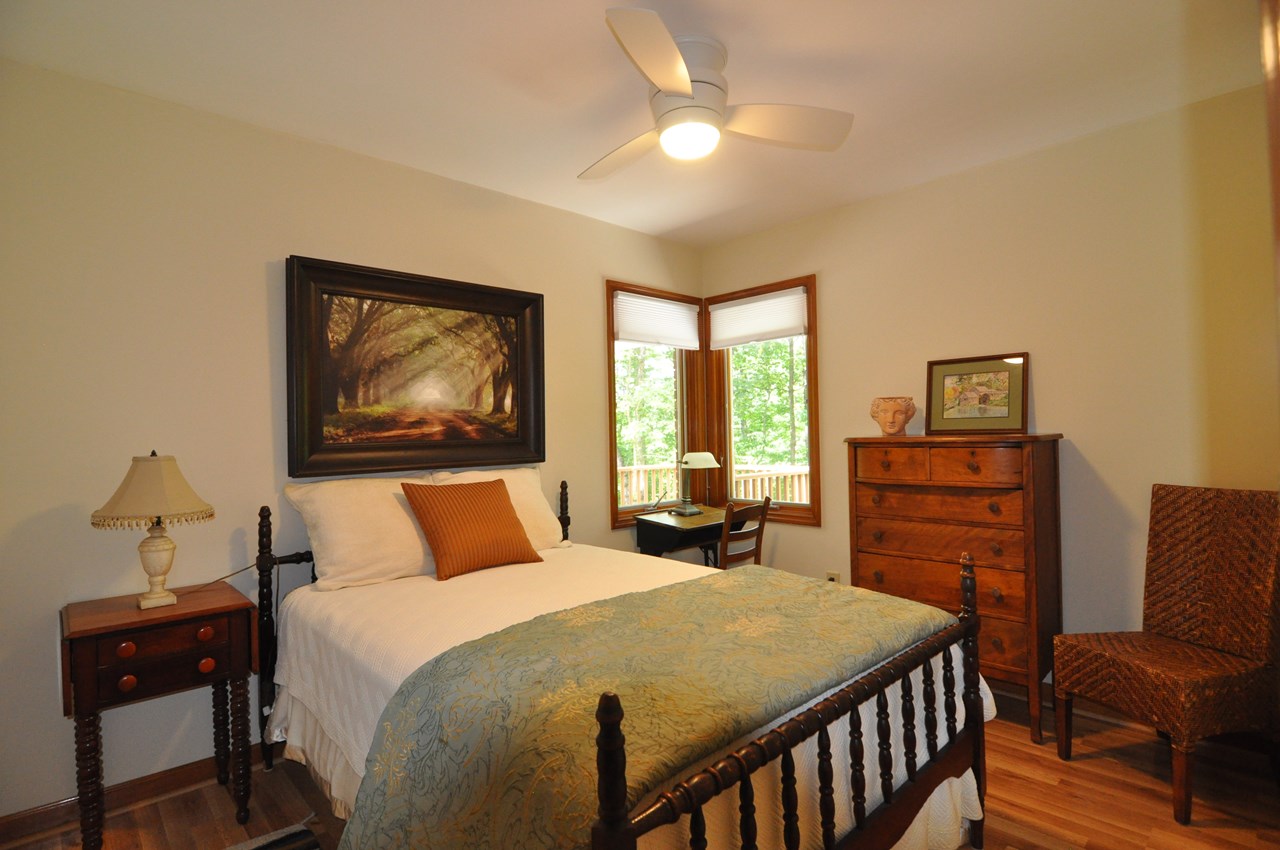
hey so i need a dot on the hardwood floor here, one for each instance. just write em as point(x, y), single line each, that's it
point(1113, 795)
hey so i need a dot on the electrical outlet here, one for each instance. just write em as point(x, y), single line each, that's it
point(833, 577)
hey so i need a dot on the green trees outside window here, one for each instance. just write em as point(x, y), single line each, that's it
point(646, 422)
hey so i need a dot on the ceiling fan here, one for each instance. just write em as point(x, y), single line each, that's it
point(689, 96)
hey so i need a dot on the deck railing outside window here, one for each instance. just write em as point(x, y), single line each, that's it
point(641, 485)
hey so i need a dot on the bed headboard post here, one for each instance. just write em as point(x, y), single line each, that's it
point(265, 563)
point(564, 510)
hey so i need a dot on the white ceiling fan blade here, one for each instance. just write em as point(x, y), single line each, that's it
point(622, 156)
point(648, 43)
point(808, 127)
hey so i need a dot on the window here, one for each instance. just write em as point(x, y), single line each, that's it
point(736, 379)
point(761, 339)
point(653, 340)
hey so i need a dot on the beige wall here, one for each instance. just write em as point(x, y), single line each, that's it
point(1135, 267)
point(143, 272)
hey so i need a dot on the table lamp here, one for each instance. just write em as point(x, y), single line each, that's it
point(153, 493)
point(693, 460)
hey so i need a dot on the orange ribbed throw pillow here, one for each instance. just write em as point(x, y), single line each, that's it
point(469, 526)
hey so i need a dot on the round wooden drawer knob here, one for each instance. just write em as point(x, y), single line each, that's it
point(998, 644)
point(206, 665)
point(994, 507)
point(875, 500)
point(127, 683)
point(996, 594)
point(877, 535)
point(879, 576)
point(973, 466)
point(205, 634)
point(126, 649)
point(884, 464)
point(997, 549)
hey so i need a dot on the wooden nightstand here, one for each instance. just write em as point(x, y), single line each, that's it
point(115, 654)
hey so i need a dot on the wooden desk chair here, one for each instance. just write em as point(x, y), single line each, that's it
point(1205, 662)
point(750, 520)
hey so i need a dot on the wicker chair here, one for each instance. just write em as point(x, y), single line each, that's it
point(1205, 662)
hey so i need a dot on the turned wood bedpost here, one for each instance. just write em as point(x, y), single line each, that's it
point(564, 510)
point(610, 832)
point(973, 719)
point(265, 563)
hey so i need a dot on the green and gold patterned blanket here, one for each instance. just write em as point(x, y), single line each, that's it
point(492, 744)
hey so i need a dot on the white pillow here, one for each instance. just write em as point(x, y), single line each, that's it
point(524, 486)
point(362, 531)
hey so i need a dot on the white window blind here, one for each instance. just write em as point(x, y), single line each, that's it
point(639, 318)
point(774, 315)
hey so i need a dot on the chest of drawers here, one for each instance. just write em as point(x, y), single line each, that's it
point(918, 504)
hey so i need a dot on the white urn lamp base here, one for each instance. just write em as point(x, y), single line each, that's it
point(156, 552)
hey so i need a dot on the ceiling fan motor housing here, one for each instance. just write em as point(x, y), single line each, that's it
point(705, 58)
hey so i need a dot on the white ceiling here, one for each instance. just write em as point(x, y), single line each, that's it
point(520, 97)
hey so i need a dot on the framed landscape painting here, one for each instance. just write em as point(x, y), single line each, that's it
point(982, 395)
point(395, 371)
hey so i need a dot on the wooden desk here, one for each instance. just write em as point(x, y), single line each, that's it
point(114, 653)
point(663, 531)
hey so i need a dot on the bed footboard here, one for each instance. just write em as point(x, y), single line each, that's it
point(962, 749)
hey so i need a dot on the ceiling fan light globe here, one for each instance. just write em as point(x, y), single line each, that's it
point(689, 140)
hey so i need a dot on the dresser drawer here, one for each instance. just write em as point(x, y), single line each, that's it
point(994, 465)
point(1001, 593)
point(155, 643)
point(962, 505)
point(1002, 643)
point(128, 682)
point(997, 547)
point(901, 463)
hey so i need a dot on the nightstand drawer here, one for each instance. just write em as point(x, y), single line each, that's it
point(1001, 593)
point(992, 465)
point(127, 682)
point(899, 463)
point(913, 502)
point(993, 547)
point(154, 643)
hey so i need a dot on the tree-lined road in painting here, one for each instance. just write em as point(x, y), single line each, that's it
point(407, 372)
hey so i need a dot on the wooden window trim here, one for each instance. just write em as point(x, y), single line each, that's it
point(717, 396)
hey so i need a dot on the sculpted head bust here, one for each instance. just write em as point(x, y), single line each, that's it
point(893, 413)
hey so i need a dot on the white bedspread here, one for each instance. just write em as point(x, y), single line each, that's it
point(343, 653)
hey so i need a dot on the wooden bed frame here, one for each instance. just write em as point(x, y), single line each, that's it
point(618, 828)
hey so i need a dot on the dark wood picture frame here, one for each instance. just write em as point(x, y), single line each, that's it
point(432, 314)
point(977, 415)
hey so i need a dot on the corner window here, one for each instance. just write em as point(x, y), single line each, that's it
point(737, 379)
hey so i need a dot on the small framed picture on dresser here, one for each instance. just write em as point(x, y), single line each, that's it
point(978, 395)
